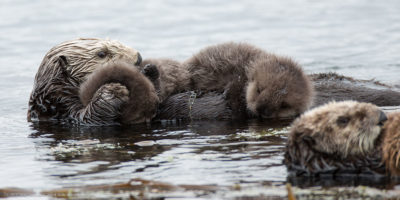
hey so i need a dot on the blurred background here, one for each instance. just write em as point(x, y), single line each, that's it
point(358, 38)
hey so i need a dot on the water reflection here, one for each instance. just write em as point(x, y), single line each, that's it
point(222, 153)
point(165, 151)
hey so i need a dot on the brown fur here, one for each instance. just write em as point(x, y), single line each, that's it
point(139, 95)
point(326, 85)
point(339, 137)
point(391, 144)
point(193, 106)
point(269, 85)
point(331, 86)
point(172, 78)
point(55, 94)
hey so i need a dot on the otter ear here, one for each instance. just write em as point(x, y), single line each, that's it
point(63, 63)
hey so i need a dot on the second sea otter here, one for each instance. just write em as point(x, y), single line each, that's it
point(344, 138)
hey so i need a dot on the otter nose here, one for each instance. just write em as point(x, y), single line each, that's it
point(382, 118)
point(139, 59)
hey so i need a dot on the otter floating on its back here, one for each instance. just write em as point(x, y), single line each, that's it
point(335, 139)
point(55, 95)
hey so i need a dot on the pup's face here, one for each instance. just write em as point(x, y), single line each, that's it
point(278, 88)
point(344, 129)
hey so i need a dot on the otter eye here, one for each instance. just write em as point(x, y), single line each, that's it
point(101, 54)
point(342, 121)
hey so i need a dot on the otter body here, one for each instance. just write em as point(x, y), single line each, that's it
point(55, 95)
point(334, 87)
point(253, 81)
point(328, 87)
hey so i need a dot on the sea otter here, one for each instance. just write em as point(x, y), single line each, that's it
point(55, 94)
point(335, 139)
point(168, 76)
point(253, 81)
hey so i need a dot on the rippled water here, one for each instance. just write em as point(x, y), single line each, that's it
point(359, 38)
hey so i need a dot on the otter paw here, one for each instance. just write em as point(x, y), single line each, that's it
point(151, 71)
point(113, 91)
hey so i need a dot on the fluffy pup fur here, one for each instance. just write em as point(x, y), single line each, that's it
point(263, 84)
point(139, 96)
point(168, 76)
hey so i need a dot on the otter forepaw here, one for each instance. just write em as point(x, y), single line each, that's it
point(151, 71)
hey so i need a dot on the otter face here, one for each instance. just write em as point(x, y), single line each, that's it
point(343, 129)
point(83, 56)
point(278, 88)
point(65, 67)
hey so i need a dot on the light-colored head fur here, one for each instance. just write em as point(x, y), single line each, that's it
point(278, 88)
point(339, 129)
point(65, 67)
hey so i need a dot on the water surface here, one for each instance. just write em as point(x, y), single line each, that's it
point(357, 38)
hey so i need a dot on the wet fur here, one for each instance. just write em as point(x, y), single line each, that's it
point(55, 94)
point(220, 67)
point(193, 106)
point(326, 89)
point(391, 144)
point(332, 86)
point(336, 138)
point(140, 99)
point(171, 78)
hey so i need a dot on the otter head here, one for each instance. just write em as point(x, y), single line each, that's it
point(339, 129)
point(278, 88)
point(65, 67)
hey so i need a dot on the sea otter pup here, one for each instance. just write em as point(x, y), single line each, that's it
point(253, 81)
point(335, 139)
point(55, 95)
point(119, 91)
point(168, 76)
